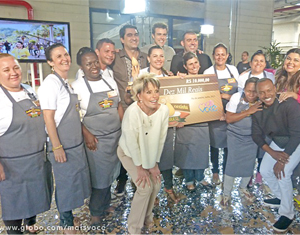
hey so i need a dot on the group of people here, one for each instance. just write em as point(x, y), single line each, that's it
point(109, 123)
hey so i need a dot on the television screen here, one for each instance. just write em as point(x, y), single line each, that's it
point(27, 40)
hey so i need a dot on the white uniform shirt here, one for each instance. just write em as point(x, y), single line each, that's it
point(234, 101)
point(81, 89)
point(243, 78)
point(6, 106)
point(145, 70)
point(224, 74)
point(54, 96)
point(143, 136)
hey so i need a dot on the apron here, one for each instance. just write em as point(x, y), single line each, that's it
point(103, 121)
point(241, 148)
point(27, 190)
point(167, 156)
point(192, 147)
point(72, 177)
point(265, 75)
point(217, 129)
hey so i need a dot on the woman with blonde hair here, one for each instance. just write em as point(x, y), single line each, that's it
point(144, 130)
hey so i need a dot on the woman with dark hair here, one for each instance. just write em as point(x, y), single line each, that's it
point(288, 85)
point(156, 61)
point(192, 141)
point(228, 85)
point(241, 148)
point(288, 79)
point(102, 113)
point(257, 64)
point(65, 148)
point(25, 175)
point(144, 130)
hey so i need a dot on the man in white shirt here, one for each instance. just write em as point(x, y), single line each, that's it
point(160, 36)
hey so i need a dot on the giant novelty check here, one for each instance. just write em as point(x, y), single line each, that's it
point(194, 99)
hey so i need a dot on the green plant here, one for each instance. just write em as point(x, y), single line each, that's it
point(274, 54)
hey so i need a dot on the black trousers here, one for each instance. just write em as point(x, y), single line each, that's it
point(214, 158)
point(14, 226)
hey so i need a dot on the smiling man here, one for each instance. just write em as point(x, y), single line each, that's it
point(190, 44)
point(160, 36)
point(280, 122)
point(123, 73)
point(122, 65)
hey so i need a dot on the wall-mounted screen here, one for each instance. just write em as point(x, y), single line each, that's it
point(27, 40)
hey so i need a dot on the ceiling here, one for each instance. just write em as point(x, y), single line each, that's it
point(286, 9)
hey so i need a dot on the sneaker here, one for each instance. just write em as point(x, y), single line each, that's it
point(258, 179)
point(225, 201)
point(113, 198)
point(250, 184)
point(273, 202)
point(120, 189)
point(248, 195)
point(282, 224)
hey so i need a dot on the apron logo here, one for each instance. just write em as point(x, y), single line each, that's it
point(33, 112)
point(226, 88)
point(106, 104)
point(231, 80)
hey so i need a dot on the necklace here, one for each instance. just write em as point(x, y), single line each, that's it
point(149, 113)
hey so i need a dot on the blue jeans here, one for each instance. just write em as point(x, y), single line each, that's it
point(192, 175)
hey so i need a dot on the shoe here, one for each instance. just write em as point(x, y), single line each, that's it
point(172, 195)
point(258, 179)
point(113, 198)
point(191, 188)
point(204, 184)
point(273, 202)
point(248, 195)
point(179, 173)
point(282, 224)
point(250, 184)
point(225, 201)
point(216, 179)
point(120, 189)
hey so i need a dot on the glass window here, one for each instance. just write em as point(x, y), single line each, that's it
point(106, 24)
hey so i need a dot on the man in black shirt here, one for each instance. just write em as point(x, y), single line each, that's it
point(189, 43)
point(244, 64)
point(280, 122)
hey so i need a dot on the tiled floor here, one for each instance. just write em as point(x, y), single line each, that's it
point(196, 213)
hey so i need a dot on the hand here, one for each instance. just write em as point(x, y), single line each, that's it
point(169, 73)
point(155, 174)
point(225, 96)
point(143, 177)
point(2, 173)
point(180, 125)
point(284, 95)
point(90, 140)
point(278, 168)
point(223, 117)
point(256, 107)
point(181, 75)
point(60, 155)
point(199, 51)
point(135, 71)
point(280, 156)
